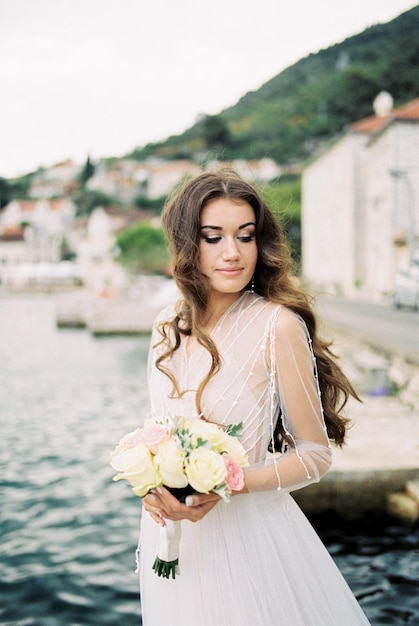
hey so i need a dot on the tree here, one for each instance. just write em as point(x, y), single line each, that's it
point(283, 197)
point(4, 192)
point(215, 131)
point(142, 249)
point(152, 204)
point(14, 189)
point(87, 201)
point(87, 171)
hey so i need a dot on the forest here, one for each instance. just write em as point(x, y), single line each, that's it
point(309, 102)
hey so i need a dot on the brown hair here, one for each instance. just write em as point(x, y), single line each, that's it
point(273, 279)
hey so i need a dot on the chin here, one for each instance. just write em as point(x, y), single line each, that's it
point(232, 289)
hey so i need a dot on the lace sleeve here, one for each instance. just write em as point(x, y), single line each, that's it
point(295, 390)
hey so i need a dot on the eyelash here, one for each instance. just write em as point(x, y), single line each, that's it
point(242, 239)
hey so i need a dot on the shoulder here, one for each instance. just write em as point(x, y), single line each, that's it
point(166, 315)
point(287, 319)
point(283, 317)
point(290, 330)
point(282, 322)
point(267, 318)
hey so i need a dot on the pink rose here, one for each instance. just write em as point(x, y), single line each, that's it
point(235, 474)
point(153, 434)
point(132, 439)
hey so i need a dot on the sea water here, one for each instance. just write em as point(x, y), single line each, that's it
point(68, 533)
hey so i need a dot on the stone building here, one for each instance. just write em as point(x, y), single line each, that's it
point(360, 203)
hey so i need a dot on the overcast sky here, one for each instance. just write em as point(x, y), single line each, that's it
point(99, 77)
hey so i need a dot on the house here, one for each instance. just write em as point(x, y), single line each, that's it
point(261, 171)
point(93, 240)
point(164, 175)
point(58, 180)
point(360, 203)
point(127, 179)
point(124, 179)
point(12, 253)
point(33, 232)
point(51, 216)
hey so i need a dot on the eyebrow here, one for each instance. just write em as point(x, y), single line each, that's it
point(220, 228)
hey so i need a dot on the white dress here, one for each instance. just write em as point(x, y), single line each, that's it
point(256, 560)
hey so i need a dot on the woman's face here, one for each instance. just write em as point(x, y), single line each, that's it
point(227, 249)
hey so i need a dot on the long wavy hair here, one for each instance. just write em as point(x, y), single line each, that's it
point(274, 279)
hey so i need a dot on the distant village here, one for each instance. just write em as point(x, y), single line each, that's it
point(36, 234)
point(360, 211)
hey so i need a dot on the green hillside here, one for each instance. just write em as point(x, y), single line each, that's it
point(310, 101)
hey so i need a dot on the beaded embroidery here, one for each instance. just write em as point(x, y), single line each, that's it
point(247, 387)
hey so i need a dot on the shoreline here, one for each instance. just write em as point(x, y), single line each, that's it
point(381, 456)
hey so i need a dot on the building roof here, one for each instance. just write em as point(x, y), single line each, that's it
point(370, 127)
point(11, 235)
point(409, 111)
point(375, 123)
point(28, 206)
point(370, 124)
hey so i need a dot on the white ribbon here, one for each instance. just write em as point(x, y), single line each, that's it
point(167, 559)
point(169, 539)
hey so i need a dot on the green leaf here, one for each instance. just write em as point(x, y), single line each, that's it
point(234, 430)
point(223, 492)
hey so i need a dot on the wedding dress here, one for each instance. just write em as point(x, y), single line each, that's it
point(257, 559)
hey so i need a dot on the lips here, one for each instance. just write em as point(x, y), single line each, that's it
point(230, 271)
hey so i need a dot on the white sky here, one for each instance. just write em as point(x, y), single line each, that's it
point(100, 77)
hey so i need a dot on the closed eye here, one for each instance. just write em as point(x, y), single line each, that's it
point(242, 238)
point(246, 238)
point(211, 239)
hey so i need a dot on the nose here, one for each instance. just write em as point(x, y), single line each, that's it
point(230, 250)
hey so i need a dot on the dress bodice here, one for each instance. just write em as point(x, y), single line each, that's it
point(239, 392)
point(267, 368)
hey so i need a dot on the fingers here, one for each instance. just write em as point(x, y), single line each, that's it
point(201, 498)
point(158, 518)
point(153, 505)
point(163, 505)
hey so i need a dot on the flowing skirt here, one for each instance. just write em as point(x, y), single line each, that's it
point(256, 560)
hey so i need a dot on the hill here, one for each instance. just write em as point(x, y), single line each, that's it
point(310, 101)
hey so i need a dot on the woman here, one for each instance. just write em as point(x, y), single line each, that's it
point(241, 346)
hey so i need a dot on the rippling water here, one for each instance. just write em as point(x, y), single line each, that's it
point(68, 533)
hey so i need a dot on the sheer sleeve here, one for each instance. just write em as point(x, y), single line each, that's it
point(159, 385)
point(295, 395)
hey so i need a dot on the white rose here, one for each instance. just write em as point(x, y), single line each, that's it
point(205, 469)
point(119, 459)
point(235, 450)
point(205, 430)
point(123, 458)
point(136, 466)
point(169, 460)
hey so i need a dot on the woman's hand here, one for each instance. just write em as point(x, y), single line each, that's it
point(162, 505)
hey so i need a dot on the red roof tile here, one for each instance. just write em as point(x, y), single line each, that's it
point(409, 111)
point(370, 124)
point(375, 123)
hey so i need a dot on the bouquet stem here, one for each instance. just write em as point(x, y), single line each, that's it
point(166, 563)
point(166, 569)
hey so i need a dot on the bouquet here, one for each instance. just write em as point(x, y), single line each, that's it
point(184, 455)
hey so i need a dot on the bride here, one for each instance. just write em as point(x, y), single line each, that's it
point(242, 346)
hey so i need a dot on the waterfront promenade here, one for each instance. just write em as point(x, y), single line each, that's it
point(381, 455)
